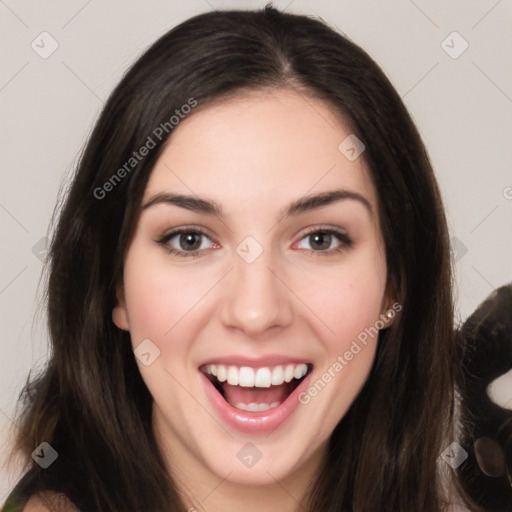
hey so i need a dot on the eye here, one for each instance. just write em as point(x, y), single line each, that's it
point(321, 240)
point(189, 241)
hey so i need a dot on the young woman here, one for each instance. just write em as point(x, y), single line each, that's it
point(249, 288)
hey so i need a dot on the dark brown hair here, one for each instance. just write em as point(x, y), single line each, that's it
point(91, 404)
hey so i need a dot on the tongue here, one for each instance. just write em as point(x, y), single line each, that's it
point(238, 394)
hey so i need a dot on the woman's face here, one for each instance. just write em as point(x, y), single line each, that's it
point(236, 272)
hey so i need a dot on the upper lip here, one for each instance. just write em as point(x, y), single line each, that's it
point(256, 362)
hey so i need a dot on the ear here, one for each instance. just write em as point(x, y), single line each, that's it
point(120, 313)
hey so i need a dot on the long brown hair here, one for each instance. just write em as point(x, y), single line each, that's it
point(91, 404)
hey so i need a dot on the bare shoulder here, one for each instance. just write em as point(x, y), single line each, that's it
point(49, 502)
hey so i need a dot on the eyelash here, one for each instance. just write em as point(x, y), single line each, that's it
point(345, 241)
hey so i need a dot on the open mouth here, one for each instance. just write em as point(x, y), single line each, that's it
point(256, 389)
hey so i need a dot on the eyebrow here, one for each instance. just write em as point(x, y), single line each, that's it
point(302, 205)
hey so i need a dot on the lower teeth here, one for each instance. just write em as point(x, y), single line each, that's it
point(252, 407)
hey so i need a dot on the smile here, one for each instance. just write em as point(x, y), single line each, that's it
point(254, 399)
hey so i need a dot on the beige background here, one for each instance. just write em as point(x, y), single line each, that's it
point(461, 105)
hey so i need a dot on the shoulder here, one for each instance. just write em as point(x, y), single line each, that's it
point(48, 501)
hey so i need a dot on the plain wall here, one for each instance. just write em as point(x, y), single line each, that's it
point(462, 107)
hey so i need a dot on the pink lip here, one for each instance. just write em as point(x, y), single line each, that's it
point(256, 362)
point(263, 422)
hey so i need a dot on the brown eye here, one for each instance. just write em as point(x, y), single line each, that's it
point(326, 241)
point(320, 240)
point(190, 241)
point(184, 242)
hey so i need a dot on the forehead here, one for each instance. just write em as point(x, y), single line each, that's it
point(267, 146)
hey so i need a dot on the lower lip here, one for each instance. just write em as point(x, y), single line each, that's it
point(261, 422)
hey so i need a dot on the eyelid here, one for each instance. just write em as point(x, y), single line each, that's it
point(324, 228)
point(183, 229)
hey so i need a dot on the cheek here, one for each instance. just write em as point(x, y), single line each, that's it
point(158, 296)
point(149, 305)
point(349, 350)
point(351, 302)
point(349, 298)
point(162, 304)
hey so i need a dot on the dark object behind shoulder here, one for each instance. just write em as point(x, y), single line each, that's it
point(25, 489)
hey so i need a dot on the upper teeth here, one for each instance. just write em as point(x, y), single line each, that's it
point(248, 377)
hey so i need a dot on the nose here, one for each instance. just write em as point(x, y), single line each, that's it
point(256, 299)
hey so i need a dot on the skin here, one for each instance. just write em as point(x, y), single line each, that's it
point(254, 155)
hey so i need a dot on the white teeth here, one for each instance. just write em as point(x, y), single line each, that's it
point(233, 376)
point(221, 373)
point(252, 407)
point(277, 376)
point(288, 373)
point(248, 377)
point(263, 378)
point(300, 371)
